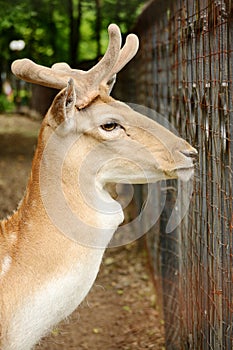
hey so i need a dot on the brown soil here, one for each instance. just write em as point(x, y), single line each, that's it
point(121, 310)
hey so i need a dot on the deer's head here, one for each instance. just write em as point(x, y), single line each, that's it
point(123, 144)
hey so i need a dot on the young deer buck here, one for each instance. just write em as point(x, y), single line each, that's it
point(51, 247)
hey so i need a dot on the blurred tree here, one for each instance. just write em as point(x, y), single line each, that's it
point(122, 12)
point(75, 17)
point(58, 30)
point(98, 27)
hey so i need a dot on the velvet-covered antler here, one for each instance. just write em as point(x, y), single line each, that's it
point(87, 83)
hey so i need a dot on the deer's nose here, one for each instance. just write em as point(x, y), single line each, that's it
point(191, 153)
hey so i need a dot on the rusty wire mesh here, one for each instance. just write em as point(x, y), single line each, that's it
point(184, 71)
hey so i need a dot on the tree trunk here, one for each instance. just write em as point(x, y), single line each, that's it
point(53, 33)
point(98, 27)
point(74, 37)
point(78, 30)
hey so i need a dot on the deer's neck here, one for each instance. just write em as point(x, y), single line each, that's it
point(76, 206)
point(58, 271)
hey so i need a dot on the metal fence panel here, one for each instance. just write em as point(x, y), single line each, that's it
point(184, 71)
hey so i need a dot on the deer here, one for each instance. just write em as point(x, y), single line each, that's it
point(52, 246)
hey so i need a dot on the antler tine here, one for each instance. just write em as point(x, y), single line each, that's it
point(34, 73)
point(106, 64)
point(90, 84)
point(127, 52)
point(61, 66)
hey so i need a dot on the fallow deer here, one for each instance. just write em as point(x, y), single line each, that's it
point(52, 245)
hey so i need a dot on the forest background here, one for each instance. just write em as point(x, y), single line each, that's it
point(72, 31)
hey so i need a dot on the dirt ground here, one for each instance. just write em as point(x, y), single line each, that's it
point(121, 311)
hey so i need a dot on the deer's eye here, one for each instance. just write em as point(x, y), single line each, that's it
point(110, 126)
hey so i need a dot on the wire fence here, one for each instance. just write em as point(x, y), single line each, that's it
point(184, 71)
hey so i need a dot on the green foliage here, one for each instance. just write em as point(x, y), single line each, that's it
point(45, 26)
point(5, 104)
point(122, 12)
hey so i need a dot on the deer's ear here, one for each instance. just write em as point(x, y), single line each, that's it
point(63, 108)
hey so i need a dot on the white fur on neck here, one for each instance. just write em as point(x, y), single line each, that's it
point(54, 301)
point(6, 264)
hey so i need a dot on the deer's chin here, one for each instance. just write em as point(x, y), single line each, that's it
point(150, 178)
point(185, 174)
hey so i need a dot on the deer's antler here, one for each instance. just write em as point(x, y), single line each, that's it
point(87, 83)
